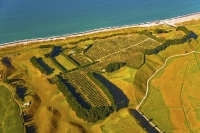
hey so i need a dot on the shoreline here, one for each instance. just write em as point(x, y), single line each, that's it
point(171, 21)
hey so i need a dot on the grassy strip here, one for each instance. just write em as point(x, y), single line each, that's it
point(87, 113)
point(46, 46)
point(83, 66)
point(112, 35)
point(70, 59)
point(58, 65)
point(99, 37)
point(103, 88)
point(150, 35)
point(41, 65)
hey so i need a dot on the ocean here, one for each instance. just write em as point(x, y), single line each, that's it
point(29, 19)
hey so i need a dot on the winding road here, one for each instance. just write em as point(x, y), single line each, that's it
point(147, 90)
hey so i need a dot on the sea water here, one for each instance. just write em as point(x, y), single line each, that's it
point(28, 19)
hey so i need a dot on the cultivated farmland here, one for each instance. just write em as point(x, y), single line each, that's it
point(66, 62)
point(88, 90)
point(111, 45)
point(81, 59)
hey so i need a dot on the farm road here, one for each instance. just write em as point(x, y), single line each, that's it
point(147, 90)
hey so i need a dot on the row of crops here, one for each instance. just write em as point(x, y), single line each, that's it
point(80, 58)
point(88, 90)
point(82, 108)
point(132, 59)
point(102, 48)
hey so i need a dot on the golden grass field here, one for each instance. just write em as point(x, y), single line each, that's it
point(124, 80)
point(174, 93)
point(124, 120)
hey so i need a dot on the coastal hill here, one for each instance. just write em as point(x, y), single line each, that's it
point(140, 78)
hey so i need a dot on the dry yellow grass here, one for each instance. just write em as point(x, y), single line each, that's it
point(123, 79)
point(178, 85)
point(122, 121)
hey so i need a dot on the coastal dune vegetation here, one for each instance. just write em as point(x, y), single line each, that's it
point(94, 82)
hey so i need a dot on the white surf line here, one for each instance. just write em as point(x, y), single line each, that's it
point(170, 21)
point(123, 49)
point(147, 90)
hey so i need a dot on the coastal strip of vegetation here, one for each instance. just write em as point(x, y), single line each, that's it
point(83, 66)
point(45, 46)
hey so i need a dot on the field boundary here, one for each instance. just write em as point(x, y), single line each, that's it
point(147, 89)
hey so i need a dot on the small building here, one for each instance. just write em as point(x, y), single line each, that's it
point(26, 105)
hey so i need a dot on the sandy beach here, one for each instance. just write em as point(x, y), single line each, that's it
point(170, 21)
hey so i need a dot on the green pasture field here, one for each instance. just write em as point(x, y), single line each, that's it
point(155, 109)
point(66, 63)
point(11, 121)
point(50, 63)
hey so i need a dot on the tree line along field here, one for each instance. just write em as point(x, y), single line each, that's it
point(90, 91)
point(64, 67)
